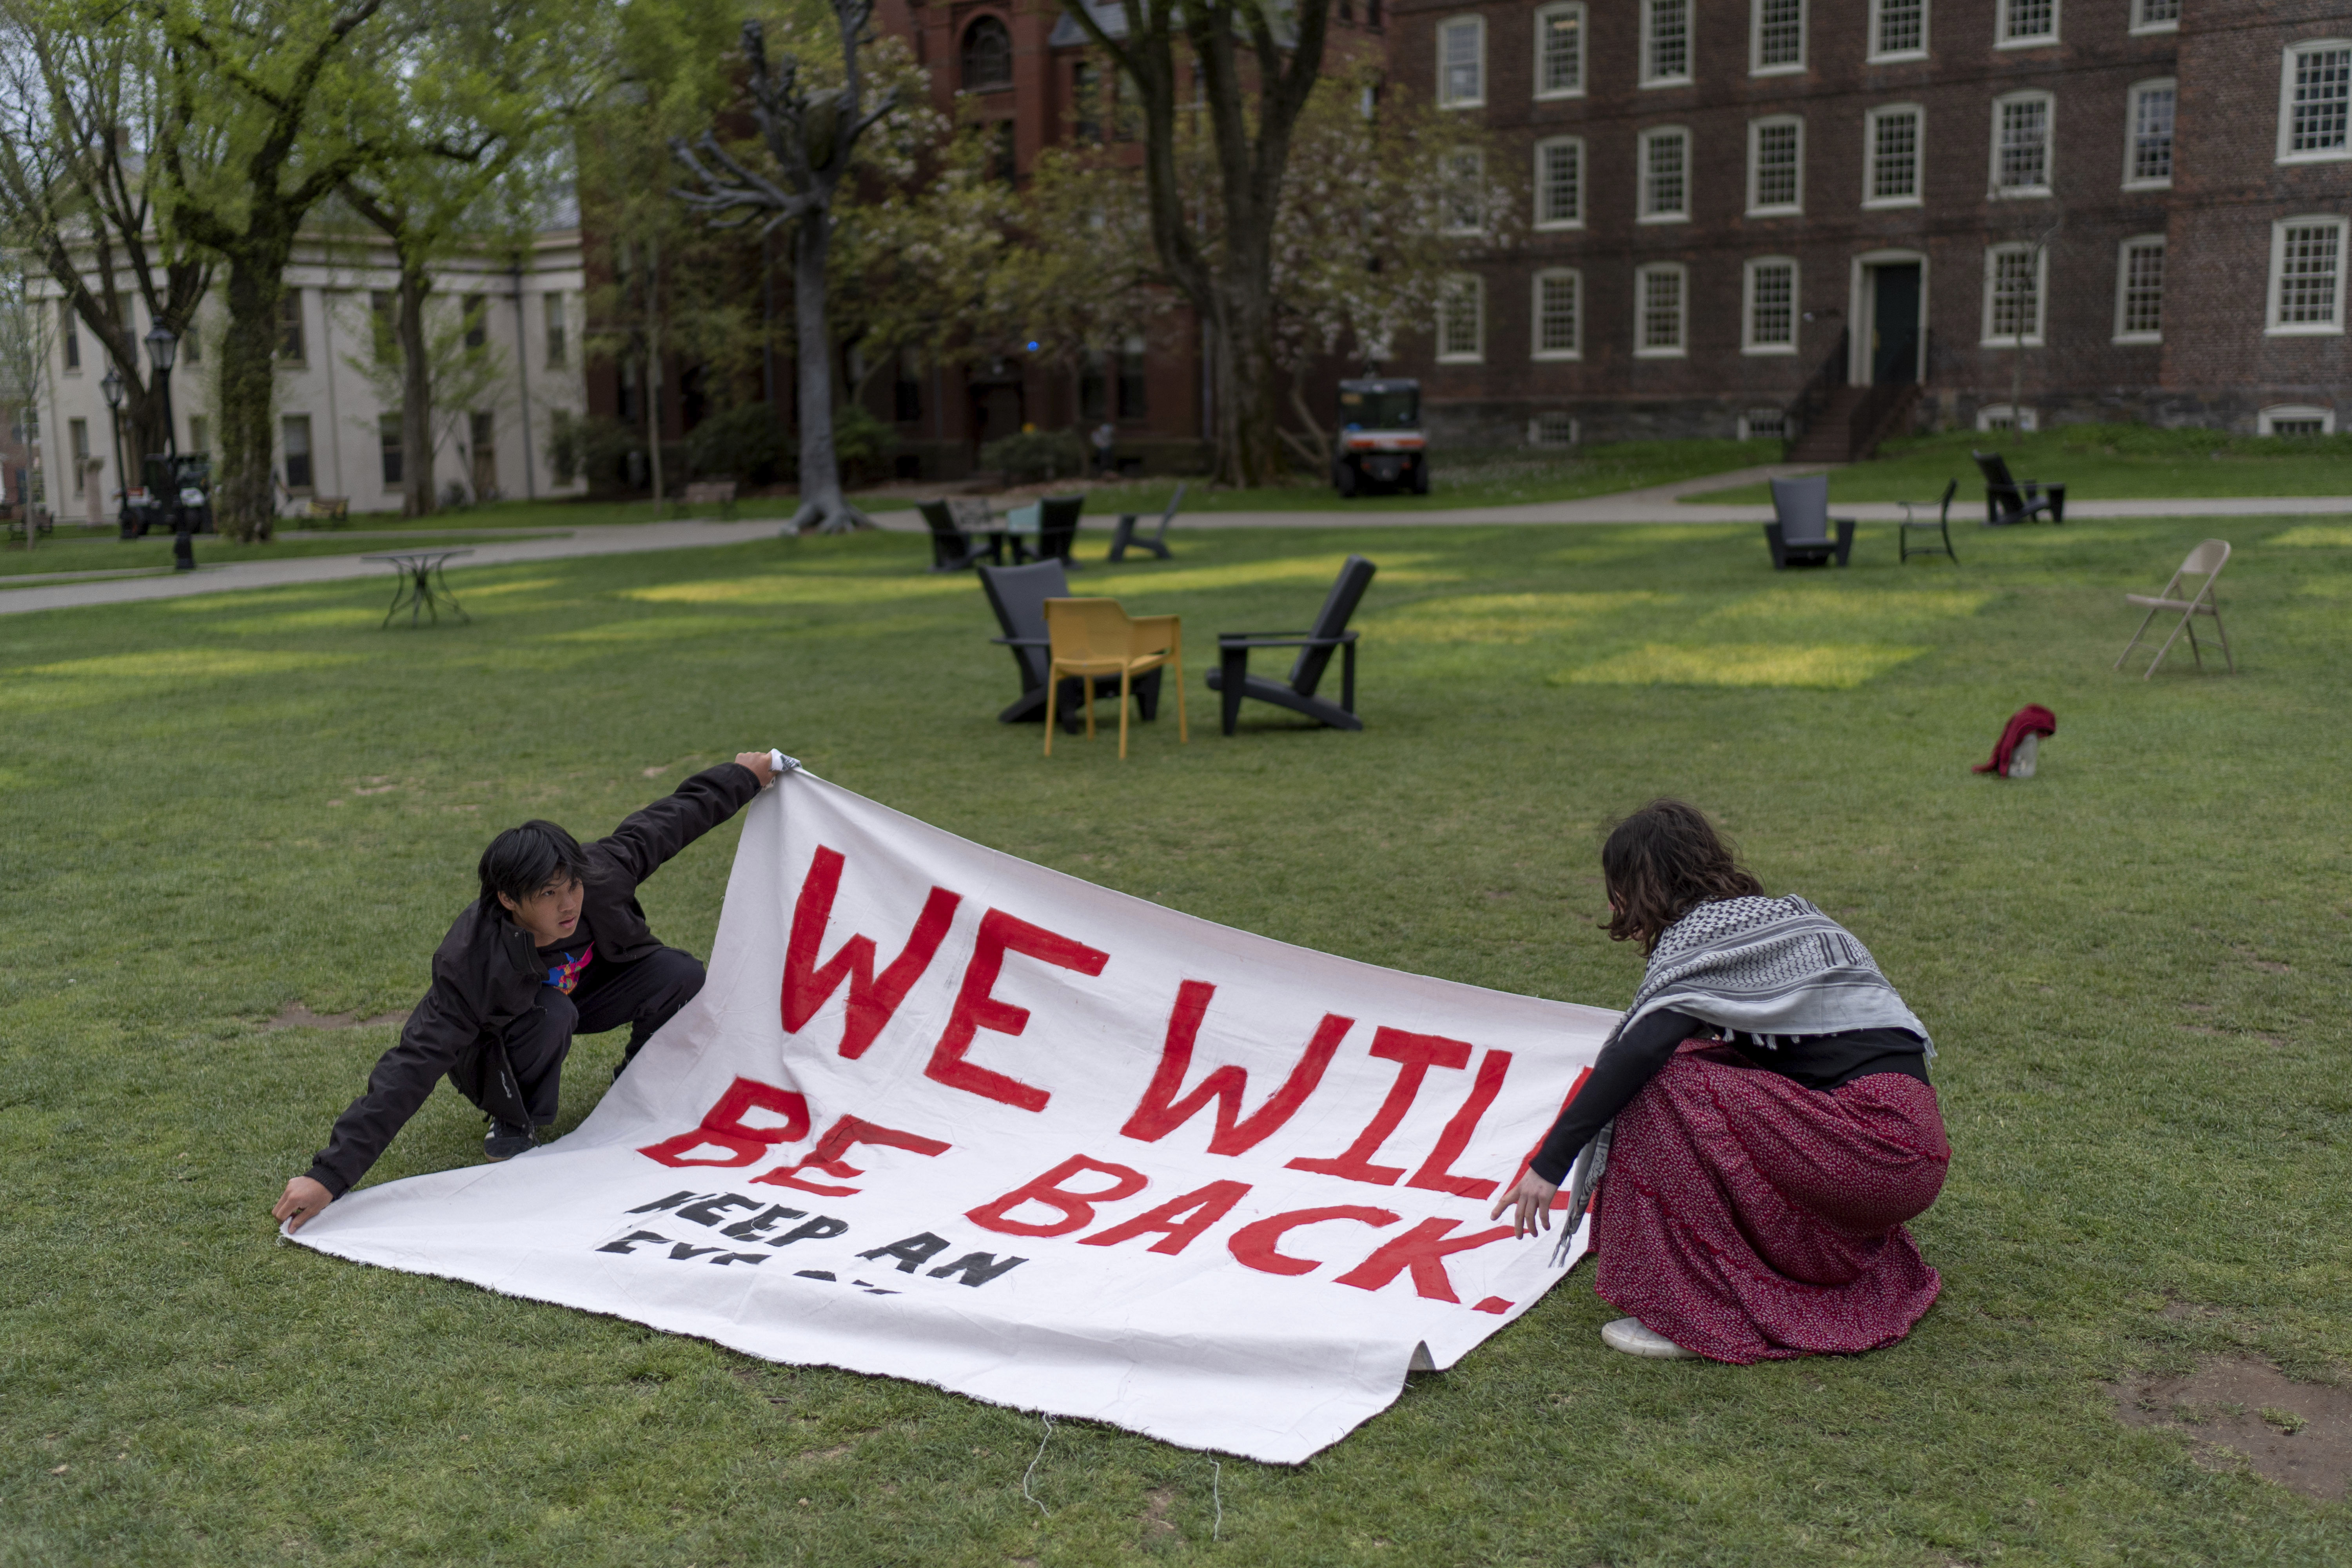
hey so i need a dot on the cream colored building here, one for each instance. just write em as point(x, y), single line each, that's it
point(336, 418)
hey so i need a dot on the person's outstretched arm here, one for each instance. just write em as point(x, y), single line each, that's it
point(1627, 1064)
point(649, 838)
point(403, 1077)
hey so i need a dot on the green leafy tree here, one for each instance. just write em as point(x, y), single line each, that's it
point(485, 86)
point(299, 95)
point(81, 120)
point(1254, 68)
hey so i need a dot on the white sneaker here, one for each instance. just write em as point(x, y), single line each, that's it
point(1631, 1336)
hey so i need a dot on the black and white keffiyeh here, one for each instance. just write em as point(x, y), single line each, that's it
point(1764, 968)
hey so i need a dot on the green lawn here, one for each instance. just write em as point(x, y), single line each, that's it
point(1513, 476)
point(2096, 462)
point(211, 807)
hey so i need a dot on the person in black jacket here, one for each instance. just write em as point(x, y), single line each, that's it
point(556, 945)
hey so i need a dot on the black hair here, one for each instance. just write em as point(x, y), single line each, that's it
point(522, 860)
point(1661, 862)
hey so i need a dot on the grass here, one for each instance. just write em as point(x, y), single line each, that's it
point(1471, 476)
point(2134, 963)
point(2096, 462)
point(98, 550)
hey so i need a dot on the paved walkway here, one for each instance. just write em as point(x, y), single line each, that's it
point(1656, 505)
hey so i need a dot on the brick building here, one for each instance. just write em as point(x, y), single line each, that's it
point(1870, 213)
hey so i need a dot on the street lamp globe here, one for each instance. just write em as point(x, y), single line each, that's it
point(111, 385)
point(162, 347)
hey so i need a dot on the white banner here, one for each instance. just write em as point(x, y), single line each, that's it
point(941, 1114)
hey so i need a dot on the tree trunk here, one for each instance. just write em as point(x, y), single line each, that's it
point(242, 499)
point(654, 367)
point(823, 509)
point(417, 492)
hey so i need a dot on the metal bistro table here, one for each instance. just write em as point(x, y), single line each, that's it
point(421, 589)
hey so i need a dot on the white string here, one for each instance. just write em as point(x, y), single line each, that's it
point(1033, 1468)
point(1217, 1495)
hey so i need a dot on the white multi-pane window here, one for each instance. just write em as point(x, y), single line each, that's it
point(2012, 296)
point(2316, 103)
point(1462, 62)
point(2147, 153)
point(1665, 42)
point(2139, 290)
point(1892, 151)
point(1776, 159)
point(1769, 310)
point(1665, 175)
point(1559, 183)
point(2306, 277)
point(1559, 51)
point(1898, 29)
point(1461, 320)
point(1558, 314)
point(2020, 144)
point(1465, 192)
point(2156, 15)
point(2025, 24)
point(1660, 299)
point(2296, 419)
point(1776, 31)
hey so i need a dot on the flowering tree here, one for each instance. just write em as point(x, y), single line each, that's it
point(1386, 201)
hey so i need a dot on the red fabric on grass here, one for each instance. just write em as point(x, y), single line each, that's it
point(1749, 1218)
point(2030, 720)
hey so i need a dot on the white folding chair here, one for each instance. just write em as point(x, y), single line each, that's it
point(2206, 561)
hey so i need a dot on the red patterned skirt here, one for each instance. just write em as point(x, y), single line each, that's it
point(1749, 1218)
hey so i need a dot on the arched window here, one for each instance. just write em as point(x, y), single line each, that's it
point(987, 56)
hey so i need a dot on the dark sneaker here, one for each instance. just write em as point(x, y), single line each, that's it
point(505, 1141)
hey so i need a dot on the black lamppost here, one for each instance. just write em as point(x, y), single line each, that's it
point(163, 348)
point(111, 385)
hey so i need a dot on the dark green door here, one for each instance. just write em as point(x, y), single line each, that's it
point(1895, 323)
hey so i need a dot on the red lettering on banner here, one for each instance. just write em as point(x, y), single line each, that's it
point(1436, 1173)
point(1078, 1208)
point(976, 1009)
point(1560, 1198)
point(838, 1140)
point(872, 998)
point(723, 1124)
point(1419, 1053)
point(1198, 1212)
point(1253, 1245)
point(1160, 1113)
point(1423, 1250)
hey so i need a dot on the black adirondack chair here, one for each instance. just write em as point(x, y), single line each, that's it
point(2008, 500)
point(1233, 678)
point(1018, 595)
point(1057, 530)
point(1800, 536)
point(1941, 524)
point(953, 550)
point(1124, 537)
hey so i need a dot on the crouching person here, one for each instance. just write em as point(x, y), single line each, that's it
point(555, 946)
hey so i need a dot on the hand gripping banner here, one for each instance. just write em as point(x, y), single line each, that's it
point(941, 1114)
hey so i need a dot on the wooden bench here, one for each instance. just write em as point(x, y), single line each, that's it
point(37, 520)
point(330, 509)
point(713, 493)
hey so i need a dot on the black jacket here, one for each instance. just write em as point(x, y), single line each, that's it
point(488, 973)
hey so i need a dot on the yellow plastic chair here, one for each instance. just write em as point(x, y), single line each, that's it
point(1092, 638)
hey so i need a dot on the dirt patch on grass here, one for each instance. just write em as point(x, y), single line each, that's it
point(1157, 1525)
point(295, 1016)
point(2237, 1410)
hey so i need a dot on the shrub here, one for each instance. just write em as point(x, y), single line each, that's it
point(1034, 455)
point(861, 443)
point(742, 444)
point(591, 447)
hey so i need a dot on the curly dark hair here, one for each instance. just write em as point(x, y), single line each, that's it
point(1661, 862)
